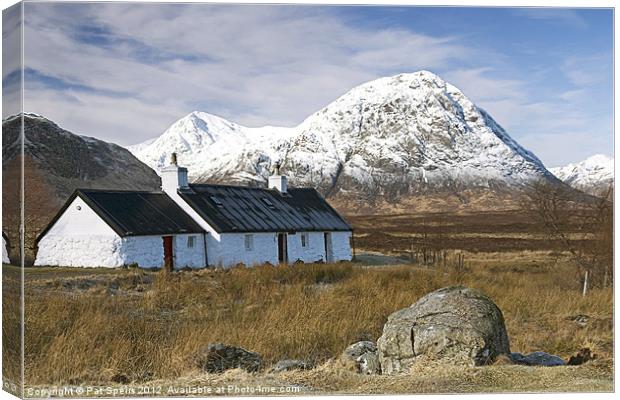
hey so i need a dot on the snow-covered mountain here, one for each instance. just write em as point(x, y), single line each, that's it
point(393, 136)
point(592, 175)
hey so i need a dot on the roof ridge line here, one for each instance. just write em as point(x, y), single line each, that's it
point(84, 190)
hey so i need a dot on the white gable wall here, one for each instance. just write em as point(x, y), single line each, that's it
point(341, 246)
point(85, 221)
point(80, 238)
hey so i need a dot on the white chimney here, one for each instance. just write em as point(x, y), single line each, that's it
point(173, 177)
point(277, 181)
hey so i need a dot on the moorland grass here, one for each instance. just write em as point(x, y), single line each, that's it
point(149, 325)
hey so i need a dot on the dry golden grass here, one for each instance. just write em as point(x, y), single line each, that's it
point(87, 328)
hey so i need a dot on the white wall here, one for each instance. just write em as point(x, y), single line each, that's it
point(85, 221)
point(230, 250)
point(80, 238)
point(189, 257)
point(341, 246)
point(5, 253)
point(313, 252)
point(146, 251)
point(80, 251)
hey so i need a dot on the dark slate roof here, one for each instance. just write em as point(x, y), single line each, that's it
point(134, 213)
point(248, 209)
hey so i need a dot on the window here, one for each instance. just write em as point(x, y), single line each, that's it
point(304, 240)
point(268, 202)
point(249, 242)
point(217, 201)
point(190, 241)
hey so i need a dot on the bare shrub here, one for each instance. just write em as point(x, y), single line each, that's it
point(584, 227)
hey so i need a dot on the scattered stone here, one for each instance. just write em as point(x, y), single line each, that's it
point(361, 357)
point(537, 358)
point(290, 365)
point(218, 357)
point(454, 325)
point(120, 378)
point(368, 364)
point(580, 319)
point(357, 349)
point(583, 356)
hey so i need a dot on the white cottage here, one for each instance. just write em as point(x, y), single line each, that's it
point(189, 225)
point(110, 228)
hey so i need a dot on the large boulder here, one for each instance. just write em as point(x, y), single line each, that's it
point(218, 357)
point(454, 325)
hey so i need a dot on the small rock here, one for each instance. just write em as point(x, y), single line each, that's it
point(357, 349)
point(537, 358)
point(584, 355)
point(289, 365)
point(580, 319)
point(218, 357)
point(368, 364)
point(361, 357)
point(120, 378)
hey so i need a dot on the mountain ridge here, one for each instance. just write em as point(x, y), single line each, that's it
point(388, 138)
point(593, 175)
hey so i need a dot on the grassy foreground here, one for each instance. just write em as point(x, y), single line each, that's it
point(90, 327)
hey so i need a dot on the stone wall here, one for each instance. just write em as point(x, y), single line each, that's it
point(341, 246)
point(313, 251)
point(80, 251)
point(185, 256)
point(230, 249)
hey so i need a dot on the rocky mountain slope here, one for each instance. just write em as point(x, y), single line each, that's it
point(592, 175)
point(389, 139)
point(55, 163)
point(68, 161)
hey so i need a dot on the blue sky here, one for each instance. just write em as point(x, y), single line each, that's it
point(125, 72)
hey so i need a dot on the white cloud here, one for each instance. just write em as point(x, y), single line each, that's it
point(257, 64)
point(553, 14)
point(130, 70)
point(587, 70)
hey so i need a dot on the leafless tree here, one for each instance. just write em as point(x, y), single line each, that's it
point(583, 226)
point(40, 205)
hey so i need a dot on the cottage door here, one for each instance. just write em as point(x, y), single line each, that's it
point(329, 253)
point(168, 256)
point(282, 251)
